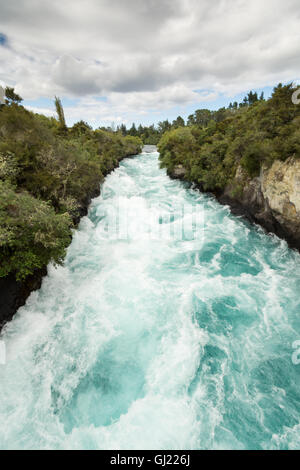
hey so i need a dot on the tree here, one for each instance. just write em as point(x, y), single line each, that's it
point(257, 134)
point(191, 120)
point(60, 113)
point(164, 126)
point(46, 178)
point(80, 128)
point(179, 122)
point(31, 233)
point(252, 98)
point(123, 129)
point(133, 131)
point(11, 96)
point(202, 117)
point(219, 115)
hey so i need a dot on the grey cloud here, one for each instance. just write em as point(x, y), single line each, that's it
point(140, 74)
point(75, 77)
point(81, 78)
point(144, 47)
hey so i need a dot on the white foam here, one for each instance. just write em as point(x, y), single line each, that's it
point(148, 342)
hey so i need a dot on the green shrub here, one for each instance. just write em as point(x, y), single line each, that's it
point(253, 135)
point(31, 233)
point(47, 173)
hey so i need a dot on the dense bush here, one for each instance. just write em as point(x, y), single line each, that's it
point(47, 172)
point(31, 233)
point(251, 135)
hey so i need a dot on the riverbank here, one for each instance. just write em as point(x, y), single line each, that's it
point(248, 156)
point(13, 293)
point(182, 339)
point(48, 175)
point(271, 200)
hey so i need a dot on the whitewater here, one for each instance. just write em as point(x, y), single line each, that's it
point(151, 336)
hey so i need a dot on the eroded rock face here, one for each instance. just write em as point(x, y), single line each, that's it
point(281, 188)
point(178, 172)
point(272, 199)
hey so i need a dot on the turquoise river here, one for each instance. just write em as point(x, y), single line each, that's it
point(171, 325)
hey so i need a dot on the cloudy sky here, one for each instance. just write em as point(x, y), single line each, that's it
point(145, 60)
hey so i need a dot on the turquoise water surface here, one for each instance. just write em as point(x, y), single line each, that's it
point(170, 326)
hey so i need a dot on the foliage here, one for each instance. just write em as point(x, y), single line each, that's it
point(202, 117)
point(8, 167)
point(11, 96)
point(31, 233)
point(149, 135)
point(251, 134)
point(47, 175)
point(60, 114)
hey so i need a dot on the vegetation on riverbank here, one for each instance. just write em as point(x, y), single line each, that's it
point(48, 172)
point(150, 135)
point(214, 144)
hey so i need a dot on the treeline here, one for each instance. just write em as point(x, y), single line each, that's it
point(152, 134)
point(251, 134)
point(48, 173)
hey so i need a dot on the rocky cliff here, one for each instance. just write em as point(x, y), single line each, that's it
point(271, 200)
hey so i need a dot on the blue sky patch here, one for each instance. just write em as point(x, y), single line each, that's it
point(3, 39)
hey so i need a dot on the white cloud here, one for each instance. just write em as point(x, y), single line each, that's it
point(146, 55)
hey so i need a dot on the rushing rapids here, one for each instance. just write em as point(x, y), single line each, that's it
point(170, 326)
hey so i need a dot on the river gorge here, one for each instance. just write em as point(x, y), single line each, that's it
point(170, 326)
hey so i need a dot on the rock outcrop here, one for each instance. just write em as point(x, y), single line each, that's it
point(281, 188)
point(178, 172)
point(272, 199)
